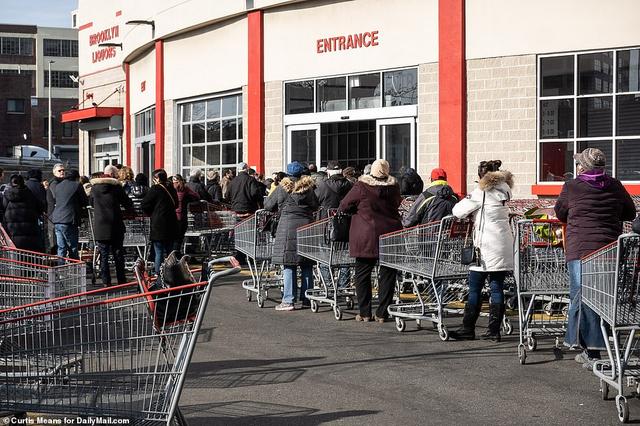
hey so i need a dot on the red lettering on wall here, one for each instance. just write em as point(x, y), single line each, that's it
point(351, 41)
point(143, 86)
point(103, 54)
point(104, 35)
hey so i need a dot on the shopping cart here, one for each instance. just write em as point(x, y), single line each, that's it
point(251, 239)
point(611, 287)
point(314, 244)
point(136, 236)
point(27, 277)
point(118, 355)
point(5, 239)
point(542, 283)
point(431, 254)
point(519, 206)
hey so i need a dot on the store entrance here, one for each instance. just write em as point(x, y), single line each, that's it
point(354, 143)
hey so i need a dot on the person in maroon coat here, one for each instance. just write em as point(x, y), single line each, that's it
point(373, 201)
point(593, 206)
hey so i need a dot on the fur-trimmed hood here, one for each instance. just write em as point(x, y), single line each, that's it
point(493, 179)
point(297, 186)
point(104, 180)
point(371, 181)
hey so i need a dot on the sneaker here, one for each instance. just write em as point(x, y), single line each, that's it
point(363, 319)
point(285, 307)
point(582, 357)
point(379, 319)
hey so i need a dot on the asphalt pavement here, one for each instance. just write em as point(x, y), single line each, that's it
point(257, 366)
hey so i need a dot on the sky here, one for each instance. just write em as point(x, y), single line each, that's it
point(43, 13)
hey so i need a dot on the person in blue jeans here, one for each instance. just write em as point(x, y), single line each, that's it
point(593, 205)
point(295, 201)
point(70, 200)
point(493, 237)
point(160, 203)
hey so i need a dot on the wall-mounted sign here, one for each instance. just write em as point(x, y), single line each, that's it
point(102, 37)
point(143, 85)
point(351, 41)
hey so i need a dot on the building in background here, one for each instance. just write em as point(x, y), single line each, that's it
point(25, 53)
point(203, 84)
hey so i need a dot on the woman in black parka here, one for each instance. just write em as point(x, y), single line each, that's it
point(21, 213)
point(296, 201)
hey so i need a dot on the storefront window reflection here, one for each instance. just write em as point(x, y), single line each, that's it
point(401, 87)
point(364, 91)
point(332, 94)
point(299, 97)
point(556, 161)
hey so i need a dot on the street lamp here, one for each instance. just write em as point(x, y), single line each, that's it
point(49, 121)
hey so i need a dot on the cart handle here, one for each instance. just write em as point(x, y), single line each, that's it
point(235, 268)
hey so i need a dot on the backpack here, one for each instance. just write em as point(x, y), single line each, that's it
point(437, 206)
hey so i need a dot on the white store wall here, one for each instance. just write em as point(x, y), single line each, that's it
point(143, 70)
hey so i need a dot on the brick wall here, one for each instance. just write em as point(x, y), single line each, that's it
point(427, 127)
point(501, 117)
point(273, 137)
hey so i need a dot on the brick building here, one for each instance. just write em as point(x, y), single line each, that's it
point(421, 83)
point(25, 53)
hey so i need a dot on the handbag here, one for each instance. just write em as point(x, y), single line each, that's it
point(271, 224)
point(176, 305)
point(470, 254)
point(338, 228)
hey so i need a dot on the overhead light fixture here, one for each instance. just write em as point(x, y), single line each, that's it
point(142, 22)
point(110, 45)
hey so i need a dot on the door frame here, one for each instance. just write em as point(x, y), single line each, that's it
point(381, 139)
point(297, 127)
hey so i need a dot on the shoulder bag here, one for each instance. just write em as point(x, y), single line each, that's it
point(470, 253)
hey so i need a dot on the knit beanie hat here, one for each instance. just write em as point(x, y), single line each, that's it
point(380, 169)
point(591, 158)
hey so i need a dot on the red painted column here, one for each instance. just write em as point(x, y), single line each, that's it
point(452, 87)
point(127, 114)
point(159, 151)
point(255, 91)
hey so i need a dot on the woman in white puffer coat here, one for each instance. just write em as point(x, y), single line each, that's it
point(494, 238)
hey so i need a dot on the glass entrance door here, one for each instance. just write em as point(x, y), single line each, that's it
point(397, 143)
point(303, 143)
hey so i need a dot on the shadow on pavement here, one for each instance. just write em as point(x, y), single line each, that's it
point(262, 413)
point(196, 368)
point(237, 380)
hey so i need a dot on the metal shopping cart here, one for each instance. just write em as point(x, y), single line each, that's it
point(431, 253)
point(251, 239)
point(314, 244)
point(117, 355)
point(222, 221)
point(611, 287)
point(5, 239)
point(27, 277)
point(136, 236)
point(542, 281)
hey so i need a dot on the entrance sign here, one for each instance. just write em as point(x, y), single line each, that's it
point(351, 41)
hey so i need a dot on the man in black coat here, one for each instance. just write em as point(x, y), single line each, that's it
point(58, 176)
point(107, 198)
point(34, 183)
point(160, 203)
point(245, 193)
point(70, 200)
point(22, 212)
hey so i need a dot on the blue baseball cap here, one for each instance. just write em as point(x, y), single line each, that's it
point(295, 169)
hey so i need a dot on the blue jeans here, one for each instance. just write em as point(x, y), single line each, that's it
point(496, 285)
point(291, 284)
point(67, 240)
point(162, 250)
point(343, 275)
point(583, 325)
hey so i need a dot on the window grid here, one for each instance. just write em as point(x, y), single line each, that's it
point(61, 79)
point(16, 46)
point(60, 48)
point(145, 123)
point(576, 139)
point(218, 131)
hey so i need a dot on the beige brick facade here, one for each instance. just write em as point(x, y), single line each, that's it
point(273, 136)
point(427, 124)
point(501, 117)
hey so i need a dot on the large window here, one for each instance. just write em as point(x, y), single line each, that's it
point(64, 48)
point(15, 106)
point(350, 92)
point(60, 79)
point(589, 100)
point(211, 134)
point(145, 123)
point(13, 46)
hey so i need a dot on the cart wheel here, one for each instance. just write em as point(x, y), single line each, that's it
point(604, 389)
point(443, 333)
point(512, 303)
point(400, 324)
point(350, 303)
point(248, 296)
point(532, 343)
point(522, 354)
point(565, 310)
point(260, 299)
point(419, 324)
point(507, 328)
point(314, 306)
point(548, 308)
point(623, 409)
point(337, 313)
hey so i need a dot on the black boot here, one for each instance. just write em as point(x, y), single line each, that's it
point(496, 313)
point(468, 329)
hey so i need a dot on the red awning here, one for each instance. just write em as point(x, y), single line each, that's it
point(90, 113)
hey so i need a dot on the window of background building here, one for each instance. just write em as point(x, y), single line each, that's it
point(15, 106)
point(60, 79)
point(29, 73)
point(589, 100)
point(69, 130)
point(211, 134)
point(358, 91)
point(62, 48)
point(22, 46)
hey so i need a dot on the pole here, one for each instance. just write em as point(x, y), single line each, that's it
point(49, 121)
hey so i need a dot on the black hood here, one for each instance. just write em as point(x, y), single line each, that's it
point(15, 194)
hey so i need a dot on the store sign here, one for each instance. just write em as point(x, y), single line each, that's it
point(351, 41)
point(102, 37)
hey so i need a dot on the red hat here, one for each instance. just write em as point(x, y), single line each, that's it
point(438, 173)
